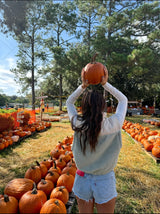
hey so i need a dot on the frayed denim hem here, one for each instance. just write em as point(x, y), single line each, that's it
point(107, 200)
point(80, 197)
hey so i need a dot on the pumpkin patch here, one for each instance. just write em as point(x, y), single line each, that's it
point(46, 186)
point(149, 139)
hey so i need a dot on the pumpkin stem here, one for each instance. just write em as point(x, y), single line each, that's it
point(38, 164)
point(43, 181)
point(55, 165)
point(61, 188)
point(32, 167)
point(94, 58)
point(34, 191)
point(51, 173)
point(56, 202)
point(6, 198)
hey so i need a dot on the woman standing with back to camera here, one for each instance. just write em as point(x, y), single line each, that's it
point(96, 146)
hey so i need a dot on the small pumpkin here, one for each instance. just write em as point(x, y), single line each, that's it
point(71, 169)
point(46, 186)
point(66, 157)
point(8, 204)
point(53, 205)
point(156, 151)
point(147, 145)
point(32, 201)
point(52, 176)
point(33, 173)
point(18, 186)
point(60, 193)
point(47, 163)
point(54, 168)
point(60, 163)
point(66, 180)
point(55, 153)
point(42, 168)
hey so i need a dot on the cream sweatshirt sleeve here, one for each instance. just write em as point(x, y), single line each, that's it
point(71, 100)
point(122, 102)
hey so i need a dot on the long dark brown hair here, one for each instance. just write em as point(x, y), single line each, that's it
point(93, 105)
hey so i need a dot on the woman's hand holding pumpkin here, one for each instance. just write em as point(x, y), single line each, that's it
point(105, 77)
point(85, 83)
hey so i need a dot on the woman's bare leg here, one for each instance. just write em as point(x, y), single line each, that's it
point(85, 206)
point(107, 207)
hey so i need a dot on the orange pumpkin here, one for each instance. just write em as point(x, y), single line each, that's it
point(33, 173)
point(47, 163)
point(71, 169)
point(46, 186)
point(147, 145)
point(55, 169)
point(60, 163)
point(93, 72)
point(156, 151)
point(55, 153)
point(52, 176)
point(18, 186)
point(66, 157)
point(53, 205)
point(66, 180)
point(42, 168)
point(8, 204)
point(32, 201)
point(60, 193)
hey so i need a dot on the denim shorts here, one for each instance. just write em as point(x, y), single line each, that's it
point(100, 187)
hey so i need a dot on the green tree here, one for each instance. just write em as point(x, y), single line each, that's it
point(30, 53)
point(61, 19)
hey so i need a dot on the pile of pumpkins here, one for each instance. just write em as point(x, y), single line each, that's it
point(150, 139)
point(46, 185)
point(152, 122)
point(8, 137)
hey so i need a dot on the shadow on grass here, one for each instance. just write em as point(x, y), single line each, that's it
point(9, 149)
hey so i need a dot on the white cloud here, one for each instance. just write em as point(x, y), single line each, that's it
point(11, 62)
point(7, 82)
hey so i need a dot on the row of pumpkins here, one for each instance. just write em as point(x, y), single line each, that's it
point(150, 139)
point(7, 138)
point(46, 185)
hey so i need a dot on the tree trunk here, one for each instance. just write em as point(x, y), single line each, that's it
point(33, 92)
point(60, 92)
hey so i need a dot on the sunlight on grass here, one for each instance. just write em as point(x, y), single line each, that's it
point(15, 162)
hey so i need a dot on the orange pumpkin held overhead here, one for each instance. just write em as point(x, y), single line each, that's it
point(93, 71)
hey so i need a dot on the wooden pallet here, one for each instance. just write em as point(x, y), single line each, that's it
point(157, 160)
point(71, 202)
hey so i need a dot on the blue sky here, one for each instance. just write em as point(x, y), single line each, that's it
point(8, 51)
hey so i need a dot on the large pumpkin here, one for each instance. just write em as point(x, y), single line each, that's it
point(32, 201)
point(53, 206)
point(93, 72)
point(18, 186)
